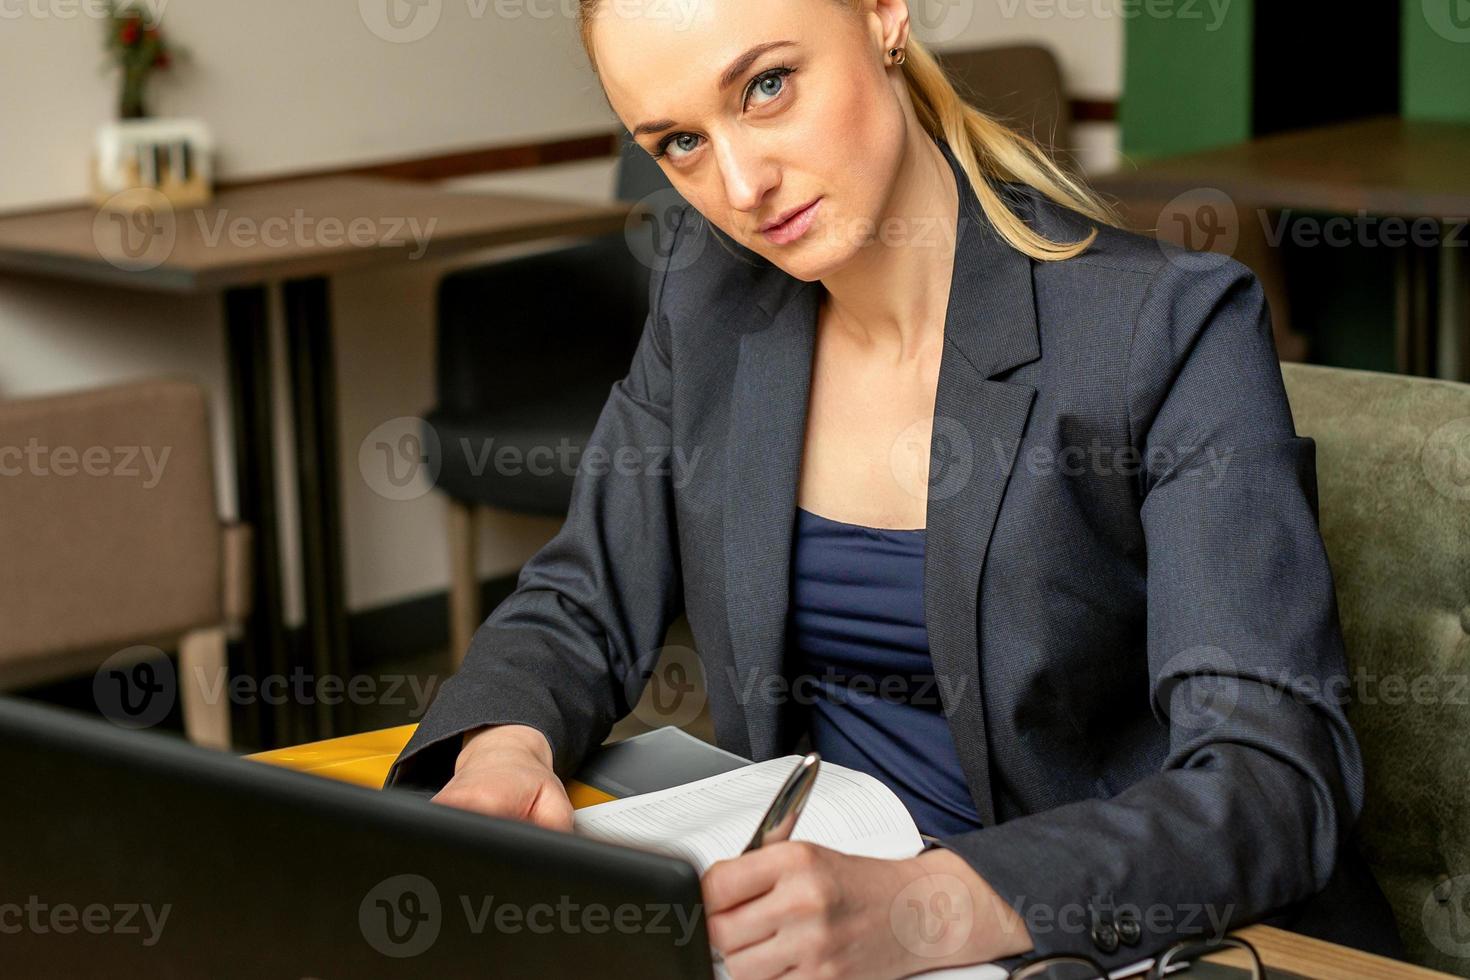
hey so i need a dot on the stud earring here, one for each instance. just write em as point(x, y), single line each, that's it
point(899, 55)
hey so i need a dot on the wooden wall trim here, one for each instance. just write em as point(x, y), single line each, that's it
point(461, 163)
point(592, 146)
point(1094, 110)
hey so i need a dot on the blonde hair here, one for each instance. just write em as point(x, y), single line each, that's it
point(986, 148)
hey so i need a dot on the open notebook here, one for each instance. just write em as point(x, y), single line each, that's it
point(714, 818)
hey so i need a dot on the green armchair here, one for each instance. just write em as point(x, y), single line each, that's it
point(1393, 471)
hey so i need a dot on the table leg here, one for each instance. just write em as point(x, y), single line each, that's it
point(1415, 307)
point(1454, 303)
point(314, 402)
point(263, 649)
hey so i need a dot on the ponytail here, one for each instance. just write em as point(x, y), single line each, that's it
point(990, 150)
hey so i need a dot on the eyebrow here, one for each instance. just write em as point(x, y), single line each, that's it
point(730, 76)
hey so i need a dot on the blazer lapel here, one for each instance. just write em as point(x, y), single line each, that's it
point(990, 328)
point(763, 459)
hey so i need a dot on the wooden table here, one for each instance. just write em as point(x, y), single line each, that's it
point(364, 760)
point(1377, 167)
point(295, 233)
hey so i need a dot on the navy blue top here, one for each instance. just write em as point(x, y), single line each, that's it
point(860, 657)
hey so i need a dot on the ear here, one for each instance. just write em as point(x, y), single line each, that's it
point(891, 23)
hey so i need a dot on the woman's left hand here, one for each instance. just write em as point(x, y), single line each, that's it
point(798, 909)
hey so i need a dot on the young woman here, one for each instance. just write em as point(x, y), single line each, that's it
point(943, 427)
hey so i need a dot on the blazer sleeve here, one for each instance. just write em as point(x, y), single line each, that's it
point(1263, 778)
point(570, 650)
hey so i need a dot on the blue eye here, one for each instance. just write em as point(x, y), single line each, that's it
point(771, 83)
point(676, 139)
point(762, 83)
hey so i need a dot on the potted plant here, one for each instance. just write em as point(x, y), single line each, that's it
point(137, 47)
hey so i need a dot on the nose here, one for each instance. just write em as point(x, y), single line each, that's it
point(749, 174)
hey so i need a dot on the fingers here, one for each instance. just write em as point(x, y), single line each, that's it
point(477, 799)
point(727, 883)
point(745, 925)
point(774, 956)
point(536, 799)
point(553, 808)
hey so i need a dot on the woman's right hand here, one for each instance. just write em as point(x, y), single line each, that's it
point(506, 771)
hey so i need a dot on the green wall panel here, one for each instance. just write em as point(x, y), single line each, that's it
point(1436, 62)
point(1187, 76)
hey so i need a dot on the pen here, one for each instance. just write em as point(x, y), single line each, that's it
point(780, 818)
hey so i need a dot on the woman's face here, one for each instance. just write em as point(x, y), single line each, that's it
point(813, 116)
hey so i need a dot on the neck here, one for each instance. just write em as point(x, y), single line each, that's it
point(891, 299)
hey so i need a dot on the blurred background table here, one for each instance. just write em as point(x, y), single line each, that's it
point(1378, 167)
point(299, 232)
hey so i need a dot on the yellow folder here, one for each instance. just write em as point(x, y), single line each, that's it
point(365, 759)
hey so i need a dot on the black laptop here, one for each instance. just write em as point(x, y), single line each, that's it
point(134, 854)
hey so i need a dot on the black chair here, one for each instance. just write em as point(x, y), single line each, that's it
point(528, 350)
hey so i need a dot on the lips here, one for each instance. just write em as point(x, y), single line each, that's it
point(779, 221)
point(792, 225)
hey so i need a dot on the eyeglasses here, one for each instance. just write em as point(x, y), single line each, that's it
point(1175, 961)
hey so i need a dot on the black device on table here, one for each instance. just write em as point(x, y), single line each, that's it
point(134, 854)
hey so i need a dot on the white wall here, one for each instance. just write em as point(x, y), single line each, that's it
point(291, 85)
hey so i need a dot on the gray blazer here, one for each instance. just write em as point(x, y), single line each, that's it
point(1129, 606)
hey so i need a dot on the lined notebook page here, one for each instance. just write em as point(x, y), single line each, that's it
point(714, 818)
